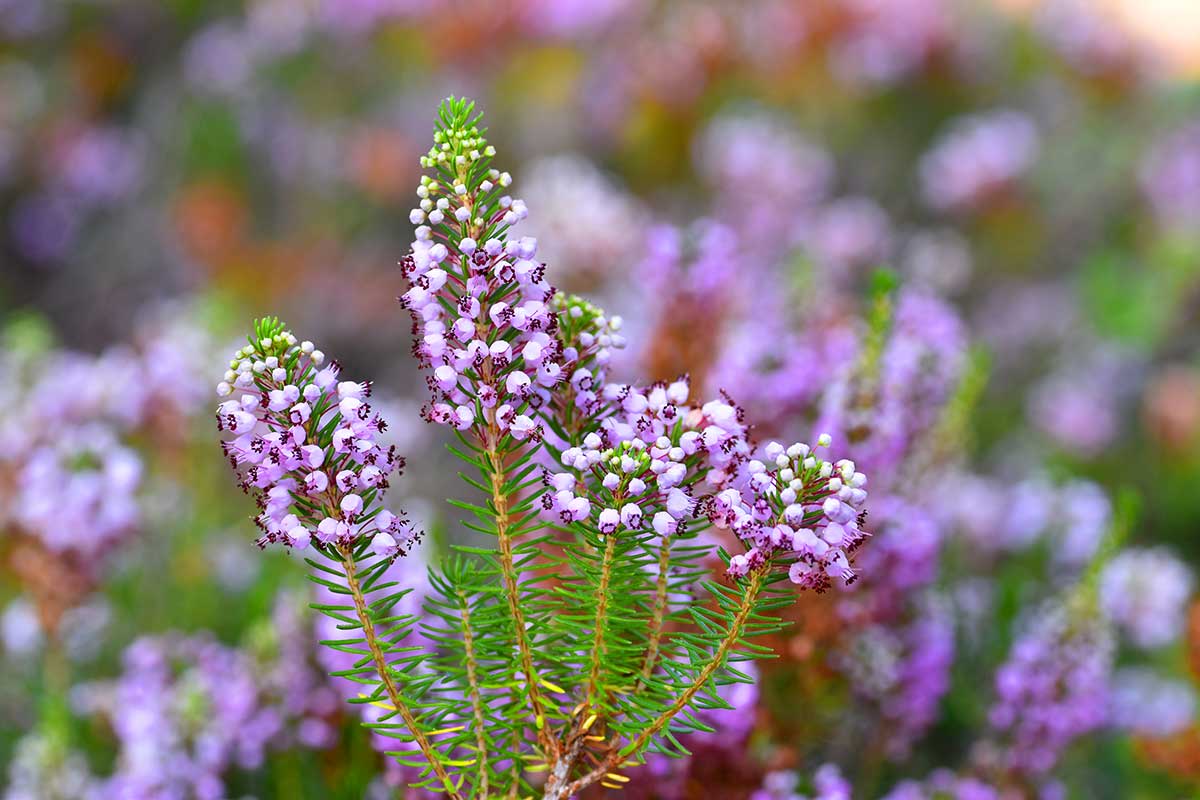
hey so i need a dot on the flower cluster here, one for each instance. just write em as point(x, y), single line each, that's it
point(77, 492)
point(522, 373)
point(305, 443)
point(69, 473)
point(1053, 688)
point(1145, 594)
point(70, 476)
point(187, 709)
point(647, 454)
point(798, 509)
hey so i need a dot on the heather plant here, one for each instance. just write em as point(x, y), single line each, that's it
point(587, 634)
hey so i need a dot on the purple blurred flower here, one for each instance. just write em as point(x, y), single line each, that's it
point(102, 164)
point(885, 415)
point(1145, 593)
point(847, 234)
point(1147, 704)
point(44, 226)
point(185, 710)
point(889, 40)
point(903, 670)
point(766, 177)
point(573, 19)
point(590, 226)
point(827, 781)
point(1090, 40)
point(1053, 688)
point(1170, 178)
point(979, 156)
point(997, 517)
point(1079, 406)
point(77, 492)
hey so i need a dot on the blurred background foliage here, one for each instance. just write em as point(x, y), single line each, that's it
point(199, 163)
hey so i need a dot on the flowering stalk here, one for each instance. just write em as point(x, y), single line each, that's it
point(558, 649)
point(304, 445)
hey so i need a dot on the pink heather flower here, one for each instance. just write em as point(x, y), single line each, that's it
point(664, 524)
point(608, 520)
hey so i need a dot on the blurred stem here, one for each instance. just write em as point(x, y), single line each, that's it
point(56, 675)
